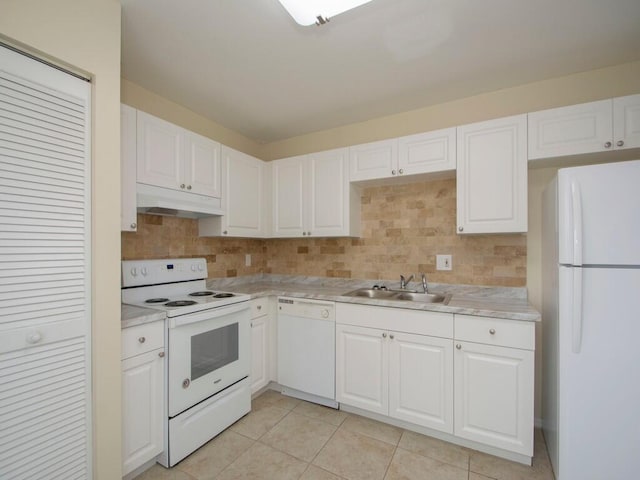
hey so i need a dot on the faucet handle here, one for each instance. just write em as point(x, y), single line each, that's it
point(424, 283)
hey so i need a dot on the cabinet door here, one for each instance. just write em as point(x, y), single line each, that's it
point(288, 191)
point(160, 152)
point(373, 160)
point(427, 152)
point(626, 122)
point(128, 212)
point(142, 409)
point(572, 130)
point(259, 353)
point(243, 194)
point(362, 368)
point(421, 380)
point(202, 165)
point(492, 176)
point(328, 193)
point(494, 396)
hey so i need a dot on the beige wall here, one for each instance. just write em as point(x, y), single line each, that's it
point(86, 35)
point(582, 87)
point(147, 101)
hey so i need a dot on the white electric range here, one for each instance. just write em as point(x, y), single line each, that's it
point(208, 360)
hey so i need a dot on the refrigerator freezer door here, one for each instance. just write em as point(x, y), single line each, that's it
point(598, 388)
point(599, 214)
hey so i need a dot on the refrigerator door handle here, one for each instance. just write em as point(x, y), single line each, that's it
point(576, 210)
point(576, 320)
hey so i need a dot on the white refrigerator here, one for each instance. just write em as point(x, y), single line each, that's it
point(591, 322)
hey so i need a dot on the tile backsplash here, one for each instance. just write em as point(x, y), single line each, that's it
point(403, 228)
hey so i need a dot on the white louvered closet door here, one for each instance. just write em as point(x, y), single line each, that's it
point(45, 383)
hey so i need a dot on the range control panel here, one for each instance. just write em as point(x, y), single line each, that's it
point(136, 273)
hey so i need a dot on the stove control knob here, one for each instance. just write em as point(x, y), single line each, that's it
point(144, 271)
point(200, 267)
point(193, 268)
point(325, 313)
point(134, 272)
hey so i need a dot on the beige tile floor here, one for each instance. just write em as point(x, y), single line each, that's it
point(284, 438)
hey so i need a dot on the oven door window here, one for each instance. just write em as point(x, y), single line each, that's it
point(213, 349)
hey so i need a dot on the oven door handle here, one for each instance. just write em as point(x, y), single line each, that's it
point(217, 312)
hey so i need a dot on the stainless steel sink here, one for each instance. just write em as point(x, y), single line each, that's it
point(399, 295)
point(370, 293)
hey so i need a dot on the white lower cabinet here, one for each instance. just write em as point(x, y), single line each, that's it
point(494, 382)
point(420, 380)
point(142, 395)
point(403, 375)
point(260, 351)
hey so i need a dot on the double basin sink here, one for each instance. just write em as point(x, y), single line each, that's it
point(403, 295)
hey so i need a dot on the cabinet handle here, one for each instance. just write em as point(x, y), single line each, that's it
point(607, 145)
point(185, 383)
point(461, 229)
point(161, 354)
point(142, 339)
point(492, 331)
point(309, 234)
point(304, 233)
point(188, 187)
point(458, 346)
point(134, 225)
point(34, 337)
point(620, 143)
point(391, 336)
point(224, 233)
point(384, 335)
point(400, 171)
point(393, 172)
point(259, 307)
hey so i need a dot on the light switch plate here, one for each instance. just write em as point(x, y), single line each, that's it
point(443, 262)
point(247, 260)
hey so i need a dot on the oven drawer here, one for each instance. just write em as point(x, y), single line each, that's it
point(142, 338)
point(259, 307)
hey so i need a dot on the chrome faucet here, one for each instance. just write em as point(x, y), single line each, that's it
point(403, 282)
point(424, 283)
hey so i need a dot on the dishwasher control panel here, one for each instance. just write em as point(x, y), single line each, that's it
point(305, 308)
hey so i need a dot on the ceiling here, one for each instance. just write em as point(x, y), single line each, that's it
point(248, 66)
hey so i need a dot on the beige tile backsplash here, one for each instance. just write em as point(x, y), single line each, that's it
point(403, 228)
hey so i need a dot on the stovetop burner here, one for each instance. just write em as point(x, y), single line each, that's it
point(223, 295)
point(156, 300)
point(180, 303)
point(203, 293)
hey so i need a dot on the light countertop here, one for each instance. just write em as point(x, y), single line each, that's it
point(499, 302)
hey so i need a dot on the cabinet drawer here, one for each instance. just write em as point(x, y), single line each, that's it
point(259, 307)
point(495, 331)
point(142, 338)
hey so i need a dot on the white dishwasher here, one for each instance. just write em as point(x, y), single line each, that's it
point(307, 349)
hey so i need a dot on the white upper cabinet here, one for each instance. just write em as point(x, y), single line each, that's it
point(492, 176)
point(128, 212)
point(428, 152)
point(571, 130)
point(172, 157)
point(312, 196)
point(373, 160)
point(626, 122)
point(611, 124)
point(245, 198)
point(288, 192)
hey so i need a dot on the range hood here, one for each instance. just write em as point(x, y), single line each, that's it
point(165, 201)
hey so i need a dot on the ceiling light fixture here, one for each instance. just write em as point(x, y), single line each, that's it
point(308, 12)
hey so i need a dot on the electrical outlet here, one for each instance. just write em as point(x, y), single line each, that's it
point(247, 260)
point(443, 262)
